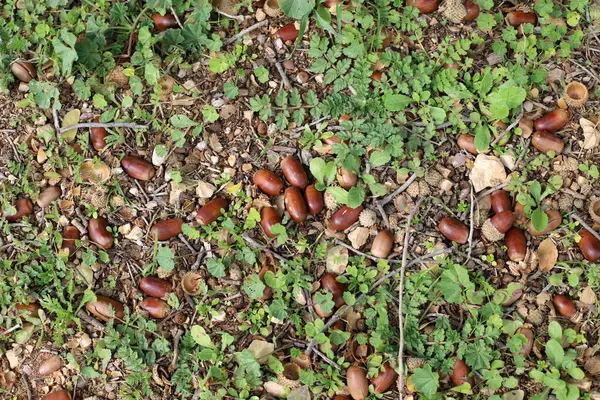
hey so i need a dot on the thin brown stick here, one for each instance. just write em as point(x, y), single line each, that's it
point(131, 125)
point(25, 379)
point(522, 154)
point(257, 245)
point(284, 78)
point(471, 224)
point(176, 18)
point(586, 226)
point(176, 338)
point(396, 192)
point(508, 128)
point(245, 32)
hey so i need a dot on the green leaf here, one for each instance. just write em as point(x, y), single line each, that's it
point(482, 137)
point(216, 267)
point(182, 121)
point(379, 158)
point(555, 352)
point(356, 196)
point(339, 194)
point(296, 8)
point(535, 188)
point(165, 258)
point(99, 101)
point(151, 73)
point(555, 330)
point(539, 219)
point(65, 51)
point(254, 287)
point(324, 300)
point(200, 336)
point(209, 113)
point(396, 102)
point(317, 168)
point(426, 381)
point(262, 74)
point(230, 90)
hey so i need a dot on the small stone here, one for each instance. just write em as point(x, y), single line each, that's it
point(227, 111)
point(159, 155)
point(247, 167)
point(358, 237)
point(275, 389)
point(487, 171)
point(289, 65)
point(302, 77)
point(508, 160)
point(205, 190)
point(260, 15)
point(261, 350)
point(189, 85)
point(588, 296)
point(23, 87)
point(446, 185)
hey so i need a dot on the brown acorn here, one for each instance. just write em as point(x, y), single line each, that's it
point(516, 244)
point(211, 211)
point(58, 395)
point(459, 372)
point(564, 306)
point(357, 382)
point(268, 182)
point(526, 348)
point(589, 246)
point(69, 235)
point(337, 289)
point(293, 172)
point(517, 18)
point(288, 32)
point(314, 200)
point(23, 70)
point(519, 214)
point(346, 178)
point(164, 22)
point(424, 6)
point(106, 308)
point(31, 309)
point(382, 244)
point(98, 136)
point(98, 232)
point(546, 141)
point(156, 308)
point(500, 201)
point(167, 229)
point(467, 142)
point(384, 380)
point(269, 217)
point(503, 221)
point(454, 230)
point(295, 204)
point(138, 168)
point(48, 195)
point(50, 365)
point(344, 218)
point(24, 207)
point(552, 121)
point(155, 287)
point(472, 11)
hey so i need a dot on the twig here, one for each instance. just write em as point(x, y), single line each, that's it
point(238, 18)
point(316, 122)
point(56, 120)
point(386, 221)
point(176, 338)
point(327, 360)
point(176, 17)
point(131, 125)
point(522, 154)
point(360, 253)
point(258, 245)
point(586, 226)
point(11, 329)
point(25, 379)
point(342, 311)
point(396, 192)
point(246, 31)
point(284, 78)
point(471, 224)
point(96, 324)
point(508, 128)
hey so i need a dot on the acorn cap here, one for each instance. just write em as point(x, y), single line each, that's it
point(594, 210)
point(367, 218)
point(490, 232)
point(575, 94)
point(453, 10)
point(330, 201)
point(271, 8)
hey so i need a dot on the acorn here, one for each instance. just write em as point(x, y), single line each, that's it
point(314, 200)
point(164, 22)
point(344, 218)
point(295, 204)
point(459, 372)
point(23, 208)
point(357, 382)
point(503, 221)
point(382, 244)
point(554, 221)
point(519, 213)
point(566, 307)
point(526, 126)
point(211, 211)
point(454, 230)
point(467, 142)
point(98, 232)
point(472, 11)
point(516, 244)
point(576, 94)
point(589, 246)
point(48, 195)
point(526, 348)
point(23, 70)
point(546, 141)
point(518, 18)
point(384, 380)
point(268, 182)
point(552, 121)
point(288, 32)
point(303, 361)
point(69, 235)
point(106, 308)
point(32, 310)
point(293, 172)
point(156, 308)
point(155, 287)
point(58, 395)
point(98, 136)
point(138, 168)
point(346, 178)
point(167, 229)
point(337, 289)
point(50, 365)
point(268, 291)
point(269, 217)
point(500, 201)
point(424, 6)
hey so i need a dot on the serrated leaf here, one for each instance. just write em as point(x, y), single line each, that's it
point(200, 336)
point(379, 158)
point(70, 118)
point(182, 121)
point(426, 380)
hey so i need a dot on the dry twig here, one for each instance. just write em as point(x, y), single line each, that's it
point(246, 31)
point(131, 125)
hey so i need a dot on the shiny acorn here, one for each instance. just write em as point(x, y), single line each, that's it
point(337, 289)
point(516, 244)
point(472, 11)
point(526, 348)
point(500, 201)
point(518, 18)
point(268, 182)
point(211, 211)
point(552, 121)
point(344, 218)
point(454, 230)
point(384, 380)
point(295, 204)
point(105, 308)
point(293, 172)
point(98, 232)
point(346, 178)
point(23, 71)
point(58, 395)
point(156, 308)
point(167, 229)
point(69, 235)
point(164, 22)
point(50, 365)
point(382, 244)
point(155, 287)
point(357, 382)
point(589, 246)
point(98, 136)
point(269, 217)
point(467, 142)
point(314, 200)
point(424, 6)
point(545, 141)
point(503, 221)
point(23, 208)
point(564, 306)
point(288, 32)
point(138, 168)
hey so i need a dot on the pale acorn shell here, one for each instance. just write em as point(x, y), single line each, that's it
point(576, 94)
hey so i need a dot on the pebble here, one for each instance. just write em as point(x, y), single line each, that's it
point(260, 15)
point(23, 87)
point(189, 85)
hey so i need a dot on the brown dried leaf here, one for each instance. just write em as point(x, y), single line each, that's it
point(590, 134)
point(337, 259)
point(548, 254)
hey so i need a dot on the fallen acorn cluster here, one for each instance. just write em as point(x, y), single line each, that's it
point(453, 10)
point(358, 383)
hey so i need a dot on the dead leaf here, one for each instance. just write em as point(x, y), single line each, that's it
point(71, 118)
point(337, 259)
point(590, 134)
point(548, 254)
point(588, 296)
point(487, 171)
point(261, 350)
point(358, 237)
